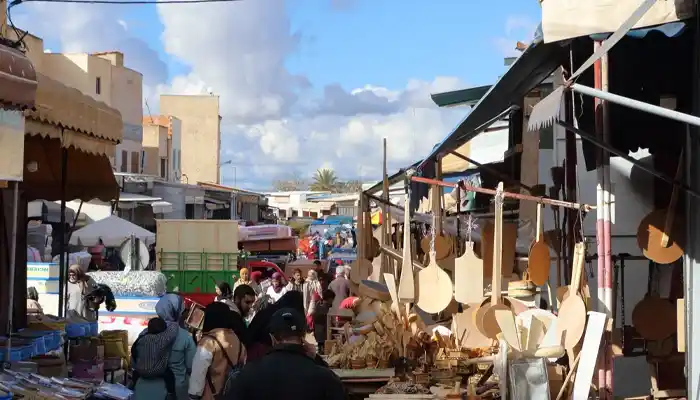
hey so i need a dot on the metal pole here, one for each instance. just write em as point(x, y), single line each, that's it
point(62, 239)
point(603, 216)
point(541, 200)
point(637, 105)
point(13, 260)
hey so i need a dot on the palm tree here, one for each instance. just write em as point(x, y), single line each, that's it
point(325, 180)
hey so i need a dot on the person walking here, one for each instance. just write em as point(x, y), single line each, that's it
point(246, 278)
point(340, 285)
point(297, 281)
point(79, 286)
point(311, 286)
point(224, 294)
point(218, 351)
point(318, 317)
point(170, 309)
point(277, 289)
point(297, 371)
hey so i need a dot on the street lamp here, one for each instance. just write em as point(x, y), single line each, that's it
point(221, 174)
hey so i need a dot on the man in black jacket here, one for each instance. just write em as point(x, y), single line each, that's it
point(290, 371)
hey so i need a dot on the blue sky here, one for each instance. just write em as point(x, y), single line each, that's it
point(288, 72)
point(386, 42)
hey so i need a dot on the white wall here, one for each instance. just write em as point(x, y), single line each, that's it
point(631, 204)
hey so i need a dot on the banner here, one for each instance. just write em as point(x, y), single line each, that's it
point(11, 145)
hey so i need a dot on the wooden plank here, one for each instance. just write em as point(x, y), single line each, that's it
point(680, 321)
point(364, 373)
point(589, 355)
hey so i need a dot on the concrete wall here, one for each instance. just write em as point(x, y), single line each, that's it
point(175, 149)
point(200, 138)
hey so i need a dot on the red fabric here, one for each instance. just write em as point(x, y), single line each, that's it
point(347, 303)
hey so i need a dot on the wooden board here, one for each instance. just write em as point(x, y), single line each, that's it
point(469, 277)
point(407, 285)
point(654, 318)
point(485, 251)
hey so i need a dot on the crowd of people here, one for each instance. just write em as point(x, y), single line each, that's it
point(253, 332)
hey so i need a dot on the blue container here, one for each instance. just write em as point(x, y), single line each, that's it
point(94, 328)
point(77, 330)
point(17, 354)
point(53, 340)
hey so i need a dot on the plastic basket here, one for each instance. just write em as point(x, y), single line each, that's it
point(77, 330)
point(16, 354)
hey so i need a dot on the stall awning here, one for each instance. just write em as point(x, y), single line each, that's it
point(48, 211)
point(535, 64)
point(79, 121)
point(17, 79)
point(89, 176)
point(569, 19)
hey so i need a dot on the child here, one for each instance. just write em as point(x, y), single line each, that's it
point(156, 326)
point(319, 313)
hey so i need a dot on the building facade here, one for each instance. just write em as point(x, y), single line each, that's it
point(162, 147)
point(200, 138)
point(104, 77)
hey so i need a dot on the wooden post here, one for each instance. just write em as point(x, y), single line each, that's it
point(3, 18)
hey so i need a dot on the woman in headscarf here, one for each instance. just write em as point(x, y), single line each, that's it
point(218, 351)
point(255, 278)
point(277, 290)
point(170, 308)
point(79, 286)
point(311, 286)
point(33, 306)
point(224, 294)
point(297, 281)
point(246, 279)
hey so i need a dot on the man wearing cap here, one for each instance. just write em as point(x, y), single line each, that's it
point(291, 364)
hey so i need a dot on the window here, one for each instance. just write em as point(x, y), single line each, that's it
point(124, 161)
point(98, 85)
point(135, 162)
point(163, 168)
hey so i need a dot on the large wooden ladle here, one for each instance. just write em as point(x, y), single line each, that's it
point(659, 236)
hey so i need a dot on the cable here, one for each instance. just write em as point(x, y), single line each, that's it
point(19, 43)
point(125, 2)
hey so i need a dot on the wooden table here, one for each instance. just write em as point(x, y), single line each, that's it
point(360, 383)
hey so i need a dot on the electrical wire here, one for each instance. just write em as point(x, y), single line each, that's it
point(126, 2)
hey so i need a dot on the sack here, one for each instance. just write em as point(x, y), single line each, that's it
point(233, 371)
point(151, 353)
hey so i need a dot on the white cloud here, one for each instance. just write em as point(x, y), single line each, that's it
point(516, 28)
point(274, 122)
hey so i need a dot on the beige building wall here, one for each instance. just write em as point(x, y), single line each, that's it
point(155, 148)
point(200, 138)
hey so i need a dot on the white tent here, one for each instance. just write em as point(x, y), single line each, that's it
point(113, 231)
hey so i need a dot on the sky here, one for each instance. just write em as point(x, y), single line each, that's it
point(305, 84)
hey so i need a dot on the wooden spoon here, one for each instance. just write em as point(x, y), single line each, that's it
point(407, 287)
point(539, 259)
point(488, 321)
point(572, 313)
